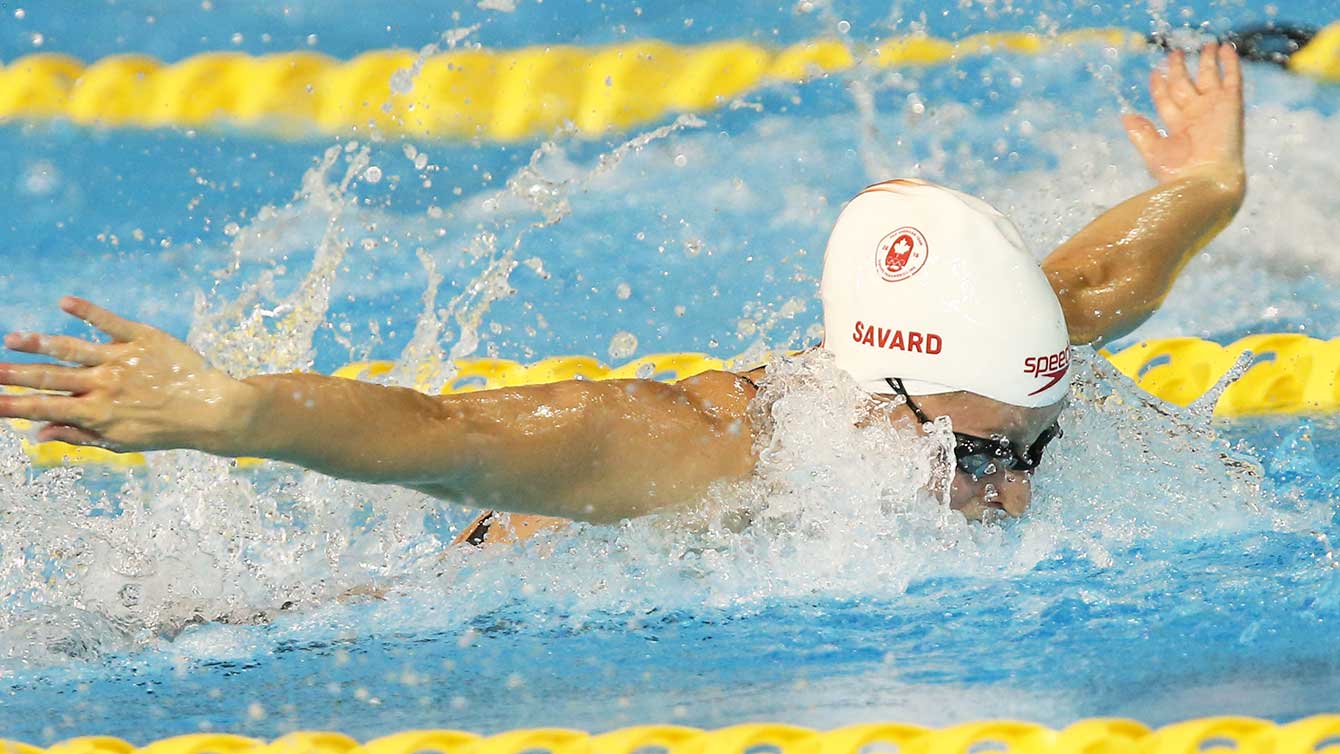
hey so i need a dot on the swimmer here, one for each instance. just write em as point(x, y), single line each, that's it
point(929, 297)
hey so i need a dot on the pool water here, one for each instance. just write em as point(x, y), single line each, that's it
point(1172, 566)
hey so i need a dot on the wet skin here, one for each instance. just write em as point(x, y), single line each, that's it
point(1004, 491)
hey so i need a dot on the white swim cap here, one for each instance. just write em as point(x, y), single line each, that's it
point(937, 288)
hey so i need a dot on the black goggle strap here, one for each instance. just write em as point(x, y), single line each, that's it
point(898, 389)
point(1040, 444)
point(970, 445)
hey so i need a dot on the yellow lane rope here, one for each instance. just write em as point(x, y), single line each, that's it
point(1213, 735)
point(1291, 374)
point(482, 93)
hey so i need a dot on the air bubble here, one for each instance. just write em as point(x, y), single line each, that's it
point(622, 291)
point(681, 160)
point(844, 26)
point(373, 174)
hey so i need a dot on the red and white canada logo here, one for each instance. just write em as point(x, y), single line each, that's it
point(901, 254)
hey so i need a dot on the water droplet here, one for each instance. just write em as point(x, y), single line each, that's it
point(622, 345)
point(38, 39)
point(19, 13)
point(41, 178)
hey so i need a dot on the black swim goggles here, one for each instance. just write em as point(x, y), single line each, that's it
point(975, 455)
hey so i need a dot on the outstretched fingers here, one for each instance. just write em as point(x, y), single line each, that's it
point(69, 434)
point(46, 377)
point(57, 409)
point(1180, 87)
point(1207, 77)
point(1168, 110)
point(120, 328)
point(60, 347)
point(1232, 65)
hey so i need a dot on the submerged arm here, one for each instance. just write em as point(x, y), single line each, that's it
point(596, 451)
point(1117, 271)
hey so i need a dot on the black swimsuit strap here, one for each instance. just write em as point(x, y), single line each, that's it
point(476, 536)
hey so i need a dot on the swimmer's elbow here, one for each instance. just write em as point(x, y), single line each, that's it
point(1102, 302)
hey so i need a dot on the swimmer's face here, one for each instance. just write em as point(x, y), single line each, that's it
point(1002, 492)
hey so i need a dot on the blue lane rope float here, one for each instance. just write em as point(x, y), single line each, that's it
point(1291, 374)
point(516, 94)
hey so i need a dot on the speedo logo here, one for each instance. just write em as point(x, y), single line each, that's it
point(1051, 368)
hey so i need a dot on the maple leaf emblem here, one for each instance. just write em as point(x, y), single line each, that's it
point(899, 253)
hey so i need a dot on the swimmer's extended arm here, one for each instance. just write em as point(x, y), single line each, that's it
point(596, 451)
point(1117, 271)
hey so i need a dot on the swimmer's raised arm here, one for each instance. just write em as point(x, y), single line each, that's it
point(595, 451)
point(1117, 271)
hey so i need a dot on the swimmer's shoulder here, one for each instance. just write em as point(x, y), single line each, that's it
point(722, 392)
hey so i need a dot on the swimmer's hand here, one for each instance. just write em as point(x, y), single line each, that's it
point(144, 390)
point(1116, 272)
point(1203, 117)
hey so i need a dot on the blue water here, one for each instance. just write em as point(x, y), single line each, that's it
point(1154, 579)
